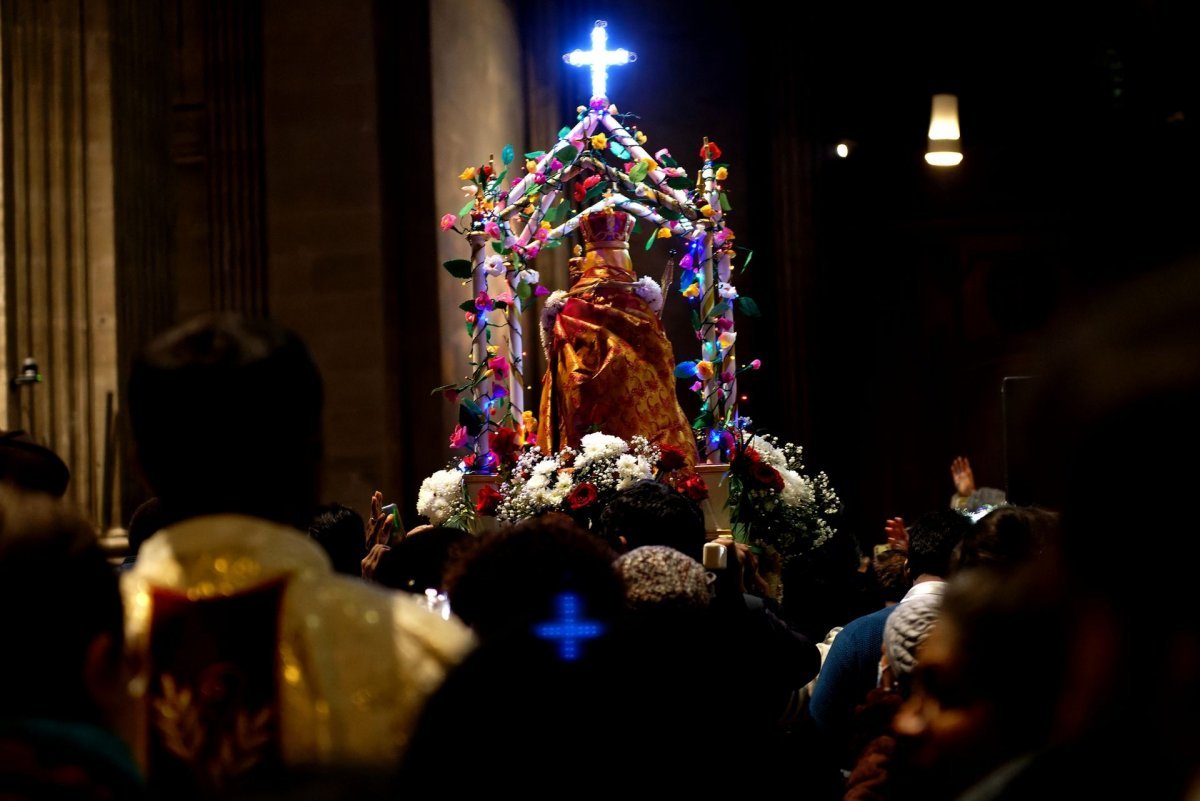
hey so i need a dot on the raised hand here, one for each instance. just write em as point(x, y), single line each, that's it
point(964, 479)
point(378, 536)
point(897, 534)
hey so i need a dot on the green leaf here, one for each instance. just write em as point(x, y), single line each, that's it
point(566, 154)
point(650, 241)
point(471, 330)
point(667, 161)
point(459, 268)
point(499, 248)
point(679, 183)
point(619, 150)
point(467, 305)
point(669, 214)
point(442, 388)
point(467, 209)
point(595, 192)
point(748, 307)
point(562, 132)
point(501, 305)
point(470, 417)
point(719, 309)
point(749, 256)
point(695, 320)
point(524, 290)
point(507, 154)
point(725, 203)
point(499, 178)
point(638, 173)
point(537, 154)
point(554, 212)
point(702, 421)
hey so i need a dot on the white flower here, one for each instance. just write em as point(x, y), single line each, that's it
point(470, 189)
point(796, 490)
point(440, 495)
point(631, 469)
point(727, 291)
point(528, 277)
point(598, 446)
point(494, 265)
point(769, 453)
point(648, 290)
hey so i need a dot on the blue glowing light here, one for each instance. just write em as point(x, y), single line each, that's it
point(569, 629)
point(599, 58)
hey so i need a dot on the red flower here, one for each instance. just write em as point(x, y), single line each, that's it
point(579, 193)
point(767, 476)
point(489, 501)
point(591, 181)
point(583, 495)
point(693, 487)
point(710, 151)
point(487, 170)
point(504, 443)
point(671, 458)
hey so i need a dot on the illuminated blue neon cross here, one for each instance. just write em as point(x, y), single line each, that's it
point(569, 629)
point(599, 58)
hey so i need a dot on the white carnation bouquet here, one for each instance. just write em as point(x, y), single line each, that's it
point(576, 481)
point(443, 499)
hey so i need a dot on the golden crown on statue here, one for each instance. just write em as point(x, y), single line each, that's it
point(608, 228)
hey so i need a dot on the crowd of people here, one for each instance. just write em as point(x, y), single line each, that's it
point(254, 645)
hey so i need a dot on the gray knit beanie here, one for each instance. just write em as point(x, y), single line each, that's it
point(657, 575)
point(907, 627)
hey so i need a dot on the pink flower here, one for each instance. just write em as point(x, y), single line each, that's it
point(459, 438)
point(726, 377)
point(448, 221)
point(539, 179)
point(450, 395)
point(492, 229)
point(720, 236)
point(540, 291)
point(696, 387)
point(757, 363)
point(724, 324)
point(484, 303)
point(541, 234)
point(596, 104)
point(532, 251)
point(499, 367)
point(555, 165)
point(686, 262)
point(505, 296)
point(470, 318)
point(660, 154)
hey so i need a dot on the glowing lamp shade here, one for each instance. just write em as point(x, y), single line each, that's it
point(944, 135)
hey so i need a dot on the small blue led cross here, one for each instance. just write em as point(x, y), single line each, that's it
point(568, 629)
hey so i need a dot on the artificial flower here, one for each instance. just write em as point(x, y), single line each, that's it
point(470, 189)
point(540, 291)
point(541, 234)
point(707, 210)
point(686, 262)
point(532, 251)
point(467, 175)
point(450, 395)
point(591, 181)
point(499, 367)
point(662, 154)
point(692, 291)
point(579, 192)
point(494, 265)
point(483, 302)
point(727, 291)
point(448, 221)
point(600, 141)
point(704, 369)
point(720, 237)
point(530, 165)
point(583, 495)
point(664, 233)
point(539, 178)
point(487, 170)
point(757, 363)
point(709, 150)
point(492, 229)
point(696, 387)
point(460, 438)
point(470, 318)
point(650, 163)
point(722, 173)
point(640, 137)
point(555, 165)
point(528, 277)
point(529, 426)
point(726, 377)
point(596, 103)
point(488, 501)
point(724, 324)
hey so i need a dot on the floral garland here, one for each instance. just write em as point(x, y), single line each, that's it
point(773, 503)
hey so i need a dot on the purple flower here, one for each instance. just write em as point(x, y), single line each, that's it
point(484, 303)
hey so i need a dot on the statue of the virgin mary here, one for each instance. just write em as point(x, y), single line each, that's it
point(610, 367)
